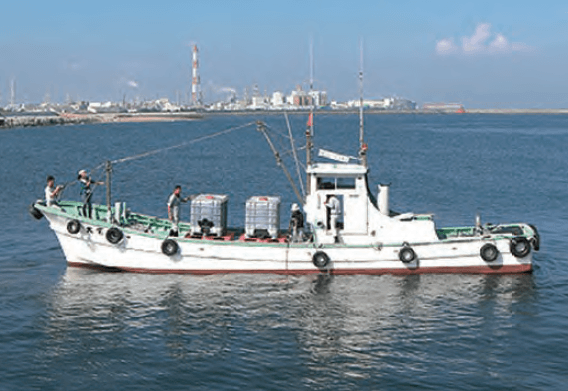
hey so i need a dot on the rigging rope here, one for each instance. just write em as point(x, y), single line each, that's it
point(155, 151)
point(198, 139)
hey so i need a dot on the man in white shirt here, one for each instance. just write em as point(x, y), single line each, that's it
point(334, 209)
point(52, 192)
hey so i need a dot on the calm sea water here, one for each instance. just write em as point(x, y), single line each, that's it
point(67, 328)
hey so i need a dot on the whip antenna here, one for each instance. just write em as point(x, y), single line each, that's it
point(362, 145)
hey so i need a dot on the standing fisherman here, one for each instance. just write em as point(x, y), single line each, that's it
point(334, 211)
point(296, 224)
point(86, 191)
point(174, 203)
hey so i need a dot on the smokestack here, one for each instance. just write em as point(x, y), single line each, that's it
point(13, 93)
point(195, 81)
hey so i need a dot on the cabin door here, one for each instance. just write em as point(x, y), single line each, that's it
point(355, 216)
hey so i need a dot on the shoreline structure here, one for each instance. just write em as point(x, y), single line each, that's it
point(31, 119)
point(41, 119)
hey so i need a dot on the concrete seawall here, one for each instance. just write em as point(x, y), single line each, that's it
point(388, 112)
point(517, 111)
point(18, 121)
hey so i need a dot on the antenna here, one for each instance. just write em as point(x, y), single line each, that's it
point(311, 64)
point(311, 122)
point(310, 125)
point(362, 145)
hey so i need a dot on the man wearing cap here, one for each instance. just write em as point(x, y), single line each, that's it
point(174, 203)
point(86, 191)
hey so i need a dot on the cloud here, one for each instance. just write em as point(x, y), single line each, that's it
point(446, 46)
point(128, 82)
point(482, 41)
point(500, 43)
point(476, 42)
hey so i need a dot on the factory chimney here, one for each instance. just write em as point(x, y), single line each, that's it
point(12, 94)
point(195, 81)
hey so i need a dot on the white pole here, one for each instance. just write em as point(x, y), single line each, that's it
point(363, 149)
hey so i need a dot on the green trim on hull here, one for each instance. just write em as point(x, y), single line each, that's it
point(154, 227)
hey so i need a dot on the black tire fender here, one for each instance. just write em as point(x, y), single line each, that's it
point(320, 259)
point(114, 235)
point(73, 226)
point(489, 252)
point(35, 212)
point(520, 247)
point(406, 254)
point(170, 247)
point(535, 240)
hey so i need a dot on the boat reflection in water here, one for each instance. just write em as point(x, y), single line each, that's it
point(310, 327)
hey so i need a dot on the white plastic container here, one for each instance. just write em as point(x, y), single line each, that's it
point(209, 214)
point(262, 217)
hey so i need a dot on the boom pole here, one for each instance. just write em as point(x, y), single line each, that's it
point(262, 128)
point(293, 145)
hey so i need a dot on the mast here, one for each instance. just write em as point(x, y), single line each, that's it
point(362, 145)
point(108, 169)
point(310, 125)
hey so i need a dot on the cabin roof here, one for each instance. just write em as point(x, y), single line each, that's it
point(336, 169)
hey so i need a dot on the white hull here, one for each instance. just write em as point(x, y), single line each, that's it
point(139, 252)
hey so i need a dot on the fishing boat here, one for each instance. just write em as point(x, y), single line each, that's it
point(366, 237)
point(348, 230)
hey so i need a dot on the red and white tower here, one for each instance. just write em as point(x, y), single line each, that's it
point(195, 81)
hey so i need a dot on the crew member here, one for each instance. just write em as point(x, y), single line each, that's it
point(52, 192)
point(296, 227)
point(174, 203)
point(334, 210)
point(87, 191)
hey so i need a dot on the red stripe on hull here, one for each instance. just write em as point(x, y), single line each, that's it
point(509, 269)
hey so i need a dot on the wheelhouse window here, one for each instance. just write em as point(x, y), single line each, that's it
point(336, 183)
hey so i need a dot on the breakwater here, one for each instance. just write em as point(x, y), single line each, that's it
point(16, 121)
point(26, 120)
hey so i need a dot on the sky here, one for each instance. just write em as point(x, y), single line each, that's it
point(483, 54)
